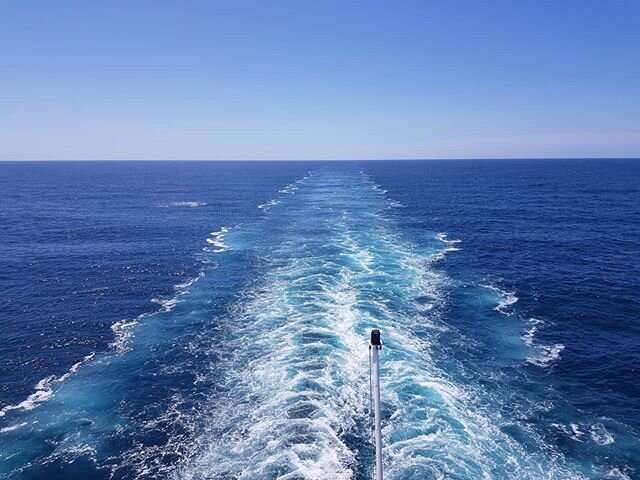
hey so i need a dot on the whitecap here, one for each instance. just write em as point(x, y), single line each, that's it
point(188, 283)
point(289, 189)
point(122, 331)
point(11, 428)
point(548, 355)
point(44, 389)
point(450, 247)
point(528, 337)
point(167, 304)
point(617, 474)
point(600, 435)
point(443, 237)
point(217, 241)
point(269, 204)
point(506, 299)
point(572, 431)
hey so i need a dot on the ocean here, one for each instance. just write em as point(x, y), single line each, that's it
point(210, 320)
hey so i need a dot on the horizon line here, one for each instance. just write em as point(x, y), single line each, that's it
point(309, 159)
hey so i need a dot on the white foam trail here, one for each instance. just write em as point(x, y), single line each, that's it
point(297, 381)
point(11, 428)
point(124, 330)
point(45, 388)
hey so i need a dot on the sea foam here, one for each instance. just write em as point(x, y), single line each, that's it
point(45, 388)
point(217, 241)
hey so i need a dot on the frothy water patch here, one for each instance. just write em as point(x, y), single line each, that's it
point(266, 206)
point(182, 287)
point(572, 431)
point(530, 334)
point(44, 389)
point(167, 304)
point(217, 241)
point(617, 474)
point(124, 330)
point(289, 189)
point(11, 428)
point(597, 433)
point(506, 299)
point(122, 333)
point(600, 435)
point(547, 354)
point(450, 246)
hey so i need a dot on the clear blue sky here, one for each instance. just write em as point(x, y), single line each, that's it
point(319, 79)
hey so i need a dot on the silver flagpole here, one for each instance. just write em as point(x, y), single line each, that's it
point(374, 348)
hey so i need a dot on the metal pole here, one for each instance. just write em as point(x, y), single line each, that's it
point(375, 347)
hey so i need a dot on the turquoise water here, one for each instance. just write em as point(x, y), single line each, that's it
point(211, 320)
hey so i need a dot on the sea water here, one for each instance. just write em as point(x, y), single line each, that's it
point(195, 320)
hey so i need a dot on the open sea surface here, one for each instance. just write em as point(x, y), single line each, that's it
point(210, 320)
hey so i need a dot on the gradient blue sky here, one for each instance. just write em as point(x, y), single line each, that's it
point(319, 79)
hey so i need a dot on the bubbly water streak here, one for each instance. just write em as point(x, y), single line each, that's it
point(298, 382)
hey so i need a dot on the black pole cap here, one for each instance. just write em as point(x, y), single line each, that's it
point(375, 337)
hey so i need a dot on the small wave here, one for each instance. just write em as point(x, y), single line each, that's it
point(217, 241)
point(396, 204)
point(450, 247)
point(600, 435)
point(378, 188)
point(548, 355)
point(572, 431)
point(12, 427)
point(617, 474)
point(188, 283)
point(183, 204)
point(122, 331)
point(289, 189)
point(167, 304)
point(506, 299)
point(44, 389)
point(529, 336)
point(581, 433)
point(443, 238)
point(269, 204)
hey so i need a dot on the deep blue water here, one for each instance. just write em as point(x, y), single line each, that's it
point(155, 323)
